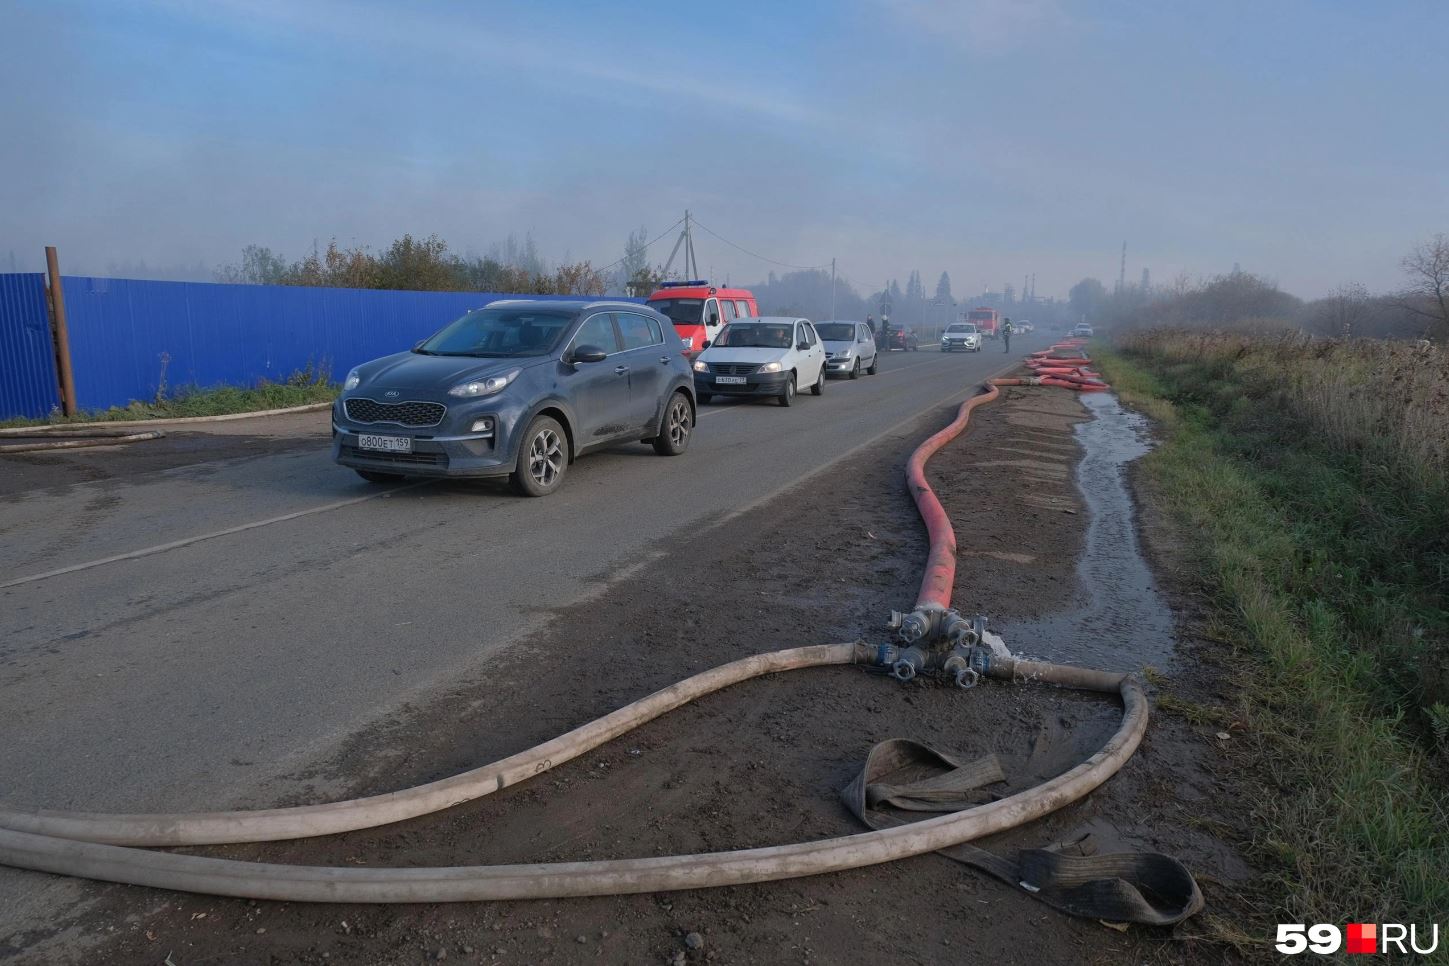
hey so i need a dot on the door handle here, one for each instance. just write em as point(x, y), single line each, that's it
point(620, 370)
point(664, 360)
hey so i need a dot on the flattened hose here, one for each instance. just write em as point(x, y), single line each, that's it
point(229, 877)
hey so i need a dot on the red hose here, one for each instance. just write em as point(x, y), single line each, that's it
point(940, 577)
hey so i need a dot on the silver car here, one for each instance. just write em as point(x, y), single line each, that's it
point(961, 335)
point(849, 348)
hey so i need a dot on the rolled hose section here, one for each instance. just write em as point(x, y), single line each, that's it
point(230, 877)
point(940, 575)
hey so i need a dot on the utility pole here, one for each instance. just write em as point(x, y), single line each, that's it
point(1122, 274)
point(832, 288)
point(62, 334)
point(686, 238)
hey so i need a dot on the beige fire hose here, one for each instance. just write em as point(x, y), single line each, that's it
point(70, 439)
point(101, 846)
point(71, 844)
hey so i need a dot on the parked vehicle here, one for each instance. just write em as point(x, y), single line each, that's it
point(849, 348)
point(963, 336)
point(988, 320)
point(761, 357)
point(519, 388)
point(1023, 327)
point(699, 309)
point(1082, 330)
point(903, 339)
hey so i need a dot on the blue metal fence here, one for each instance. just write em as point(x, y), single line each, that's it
point(28, 384)
point(124, 333)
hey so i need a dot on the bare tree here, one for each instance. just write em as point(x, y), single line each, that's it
point(1348, 308)
point(1428, 293)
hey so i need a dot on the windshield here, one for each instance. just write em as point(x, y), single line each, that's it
point(836, 331)
point(961, 328)
point(680, 311)
point(757, 335)
point(500, 334)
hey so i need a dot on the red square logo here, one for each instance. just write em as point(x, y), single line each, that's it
point(1361, 936)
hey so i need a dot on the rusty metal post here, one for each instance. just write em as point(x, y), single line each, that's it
point(62, 335)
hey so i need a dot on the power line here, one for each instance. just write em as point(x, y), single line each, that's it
point(646, 246)
point(772, 261)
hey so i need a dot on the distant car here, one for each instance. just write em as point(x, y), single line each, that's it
point(519, 388)
point(1023, 328)
point(903, 339)
point(1082, 330)
point(761, 357)
point(963, 336)
point(849, 348)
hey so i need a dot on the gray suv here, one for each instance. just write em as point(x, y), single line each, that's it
point(518, 389)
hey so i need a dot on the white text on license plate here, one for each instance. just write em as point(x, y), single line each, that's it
point(731, 380)
point(387, 444)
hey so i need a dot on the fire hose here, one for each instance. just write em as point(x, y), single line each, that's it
point(107, 846)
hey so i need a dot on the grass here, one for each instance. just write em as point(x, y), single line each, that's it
point(1323, 543)
point(300, 389)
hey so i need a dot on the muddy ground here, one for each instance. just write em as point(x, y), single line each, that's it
point(762, 763)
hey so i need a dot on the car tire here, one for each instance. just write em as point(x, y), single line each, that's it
point(819, 387)
point(677, 427)
point(787, 395)
point(855, 370)
point(372, 476)
point(874, 365)
point(543, 458)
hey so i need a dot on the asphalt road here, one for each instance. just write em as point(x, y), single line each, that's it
point(196, 676)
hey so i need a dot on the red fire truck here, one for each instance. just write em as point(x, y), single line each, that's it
point(698, 310)
point(987, 320)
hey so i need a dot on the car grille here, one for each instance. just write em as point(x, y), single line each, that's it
point(732, 369)
point(361, 410)
point(408, 459)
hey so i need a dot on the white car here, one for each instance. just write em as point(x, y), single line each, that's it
point(761, 357)
point(1082, 330)
point(961, 335)
point(849, 348)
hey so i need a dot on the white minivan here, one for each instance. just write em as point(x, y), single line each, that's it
point(849, 348)
point(761, 357)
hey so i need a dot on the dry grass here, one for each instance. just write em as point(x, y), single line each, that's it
point(1386, 400)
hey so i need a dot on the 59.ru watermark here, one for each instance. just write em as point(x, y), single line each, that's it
point(1357, 937)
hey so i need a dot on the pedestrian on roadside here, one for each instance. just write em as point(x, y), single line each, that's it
point(1006, 333)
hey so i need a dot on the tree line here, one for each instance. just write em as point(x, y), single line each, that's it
point(419, 264)
point(1238, 299)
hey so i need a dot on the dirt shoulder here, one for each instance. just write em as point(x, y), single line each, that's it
point(759, 764)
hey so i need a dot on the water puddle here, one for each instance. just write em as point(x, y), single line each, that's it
point(1119, 621)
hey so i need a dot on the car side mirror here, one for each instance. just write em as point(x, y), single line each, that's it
point(713, 319)
point(802, 346)
point(589, 353)
point(704, 344)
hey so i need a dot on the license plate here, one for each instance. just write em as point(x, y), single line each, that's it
point(731, 380)
point(386, 444)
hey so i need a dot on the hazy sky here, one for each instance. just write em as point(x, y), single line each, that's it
point(1308, 141)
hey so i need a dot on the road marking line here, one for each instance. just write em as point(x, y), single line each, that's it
point(177, 544)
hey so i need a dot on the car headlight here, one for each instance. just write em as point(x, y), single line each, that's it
point(770, 367)
point(701, 366)
point(351, 381)
point(484, 387)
